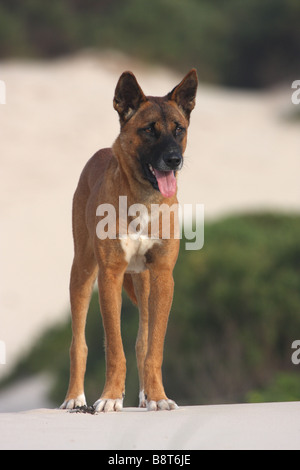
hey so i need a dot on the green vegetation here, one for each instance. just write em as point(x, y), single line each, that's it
point(235, 314)
point(283, 387)
point(249, 43)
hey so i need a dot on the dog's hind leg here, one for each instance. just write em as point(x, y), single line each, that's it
point(141, 284)
point(129, 287)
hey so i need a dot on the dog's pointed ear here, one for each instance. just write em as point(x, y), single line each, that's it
point(128, 96)
point(184, 94)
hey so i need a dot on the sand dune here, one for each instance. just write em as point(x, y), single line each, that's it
point(269, 426)
point(241, 156)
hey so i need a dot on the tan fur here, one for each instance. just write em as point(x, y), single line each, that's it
point(109, 174)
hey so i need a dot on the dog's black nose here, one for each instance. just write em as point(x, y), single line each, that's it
point(173, 160)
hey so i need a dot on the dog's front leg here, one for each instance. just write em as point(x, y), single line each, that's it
point(110, 291)
point(160, 301)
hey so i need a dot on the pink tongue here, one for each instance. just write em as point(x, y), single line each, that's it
point(166, 182)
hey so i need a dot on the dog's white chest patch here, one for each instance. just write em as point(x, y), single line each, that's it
point(135, 251)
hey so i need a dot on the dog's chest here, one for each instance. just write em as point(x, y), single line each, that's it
point(135, 252)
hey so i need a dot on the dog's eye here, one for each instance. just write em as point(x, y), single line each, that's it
point(150, 129)
point(179, 130)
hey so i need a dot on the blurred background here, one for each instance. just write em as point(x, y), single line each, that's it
point(236, 309)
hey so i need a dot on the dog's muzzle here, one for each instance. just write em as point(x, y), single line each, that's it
point(171, 161)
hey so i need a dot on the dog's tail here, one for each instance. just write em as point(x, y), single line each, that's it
point(128, 286)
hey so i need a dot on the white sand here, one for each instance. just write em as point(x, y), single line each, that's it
point(255, 426)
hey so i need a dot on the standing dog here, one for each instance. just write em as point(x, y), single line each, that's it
point(141, 165)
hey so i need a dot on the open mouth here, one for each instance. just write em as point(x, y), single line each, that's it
point(163, 181)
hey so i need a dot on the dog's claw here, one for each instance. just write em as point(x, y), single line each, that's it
point(161, 405)
point(108, 404)
point(74, 403)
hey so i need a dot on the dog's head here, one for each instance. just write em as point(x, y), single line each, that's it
point(154, 130)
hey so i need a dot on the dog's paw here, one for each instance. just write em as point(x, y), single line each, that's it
point(108, 404)
point(161, 405)
point(71, 403)
point(142, 400)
